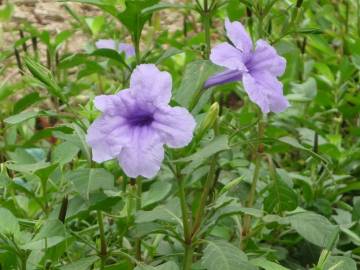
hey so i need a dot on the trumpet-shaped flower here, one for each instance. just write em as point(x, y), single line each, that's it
point(257, 68)
point(128, 49)
point(137, 122)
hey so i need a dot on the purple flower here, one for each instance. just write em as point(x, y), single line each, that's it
point(137, 122)
point(257, 68)
point(128, 49)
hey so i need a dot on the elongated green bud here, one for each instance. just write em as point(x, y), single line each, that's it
point(231, 184)
point(209, 119)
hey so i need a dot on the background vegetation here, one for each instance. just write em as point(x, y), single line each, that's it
point(59, 210)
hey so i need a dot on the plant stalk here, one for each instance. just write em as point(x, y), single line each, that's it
point(137, 50)
point(186, 224)
point(206, 24)
point(103, 245)
point(251, 198)
point(204, 196)
point(138, 207)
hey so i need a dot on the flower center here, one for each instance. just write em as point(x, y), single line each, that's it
point(140, 119)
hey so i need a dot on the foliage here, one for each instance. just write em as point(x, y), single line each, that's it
point(60, 210)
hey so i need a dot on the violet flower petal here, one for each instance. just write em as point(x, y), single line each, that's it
point(175, 125)
point(228, 56)
point(128, 49)
point(258, 69)
point(137, 122)
point(148, 84)
point(239, 37)
point(256, 92)
point(107, 136)
point(223, 77)
point(144, 154)
point(105, 44)
point(265, 57)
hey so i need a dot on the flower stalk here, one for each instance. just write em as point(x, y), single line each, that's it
point(103, 245)
point(206, 14)
point(138, 207)
point(210, 180)
point(251, 198)
point(188, 256)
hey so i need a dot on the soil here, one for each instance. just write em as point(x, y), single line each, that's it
point(52, 16)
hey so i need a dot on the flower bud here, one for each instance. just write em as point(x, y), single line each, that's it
point(209, 120)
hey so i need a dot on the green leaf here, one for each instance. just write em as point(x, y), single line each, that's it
point(218, 144)
point(303, 92)
point(158, 191)
point(164, 266)
point(321, 44)
point(167, 54)
point(356, 61)
point(193, 79)
point(8, 223)
point(340, 263)
point(111, 54)
point(21, 117)
point(82, 264)
point(77, 138)
point(168, 266)
point(144, 267)
point(64, 153)
point(280, 198)
point(169, 213)
point(83, 144)
point(314, 228)
point(51, 233)
point(61, 38)
point(159, 213)
point(46, 133)
point(28, 168)
point(26, 101)
point(162, 6)
point(267, 265)
point(95, 24)
point(87, 181)
point(7, 89)
point(225, 256)
point(6, 12)
point(356, 211)
point(313, 31)
point(294, 143)
point(132, 17)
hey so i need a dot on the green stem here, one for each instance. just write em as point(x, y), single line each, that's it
point(251, 197)
point(188, 257)
point(210, 181)
point(137, 51)
point(184, 209)
point(260, 25)
point(186, 224)
point(103, 246)
point(204, 196)
point(206, 23)
point(138, 192)
point(138, 207)
point(358, 16)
